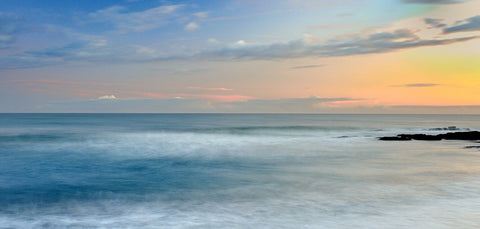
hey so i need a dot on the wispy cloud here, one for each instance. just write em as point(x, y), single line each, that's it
point(317, 4)
point(9, 28)
point(126, 21)
point(23, 61)
point(107, 90)
point(74, 50)
point(286, 105)
point(434, 23)
point(215, 98)
point(191, 26)
point(379, 42)
point(199, 105)
point(210, 88)
point(107, 97)
point(432, 1)
point(470, 24)
point(202, 15)
point(308, 66)
point(90, 50)
point(417, 85)
point(205, 103)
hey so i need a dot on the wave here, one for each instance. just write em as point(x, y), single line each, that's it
point(34, 137)
point(246, 130)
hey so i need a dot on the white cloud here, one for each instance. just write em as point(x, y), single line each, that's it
point(202, 15)
point(241, 42)
point(107, 97)
point(191, 26)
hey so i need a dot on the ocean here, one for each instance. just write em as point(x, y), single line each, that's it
point(235, 171)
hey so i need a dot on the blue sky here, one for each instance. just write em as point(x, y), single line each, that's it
point(56, 55)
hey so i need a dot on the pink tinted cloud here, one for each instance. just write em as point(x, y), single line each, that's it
point(152, 95)
point(75, 89)
point(347, 103)
point(218, 98)
point(143, 94)
point(210, 88)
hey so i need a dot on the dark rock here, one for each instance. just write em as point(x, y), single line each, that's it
point(436, 129)
point(472, 147)
point(396, 138)
point(470, 135)
point(423, 137)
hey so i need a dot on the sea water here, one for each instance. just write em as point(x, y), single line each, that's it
point(235, 171)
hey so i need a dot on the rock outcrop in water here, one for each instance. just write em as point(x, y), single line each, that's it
point(470, 135)
point(448, 128)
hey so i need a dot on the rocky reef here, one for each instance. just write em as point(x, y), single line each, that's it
point(468, 135)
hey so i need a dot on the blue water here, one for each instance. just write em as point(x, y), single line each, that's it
point(235, 171)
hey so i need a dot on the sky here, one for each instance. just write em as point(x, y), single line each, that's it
point(240, 56)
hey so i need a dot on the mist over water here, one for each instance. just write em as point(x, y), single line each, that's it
point(235, 171)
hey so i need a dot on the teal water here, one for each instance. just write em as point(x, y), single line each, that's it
point(235, 171)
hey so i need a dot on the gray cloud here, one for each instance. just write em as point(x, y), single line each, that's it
point(418, 85)
point(308, 66)
point(432, 1)
point(88, 50)
point(96, 49)
point(434, 23)
point(421, 85)
point(353, 45)
point(70, 50)
point(470, 24)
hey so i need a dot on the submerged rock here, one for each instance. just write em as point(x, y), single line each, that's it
point(449, 128)
point(470, 135)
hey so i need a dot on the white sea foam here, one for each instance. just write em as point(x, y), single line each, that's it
point(344, 206)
